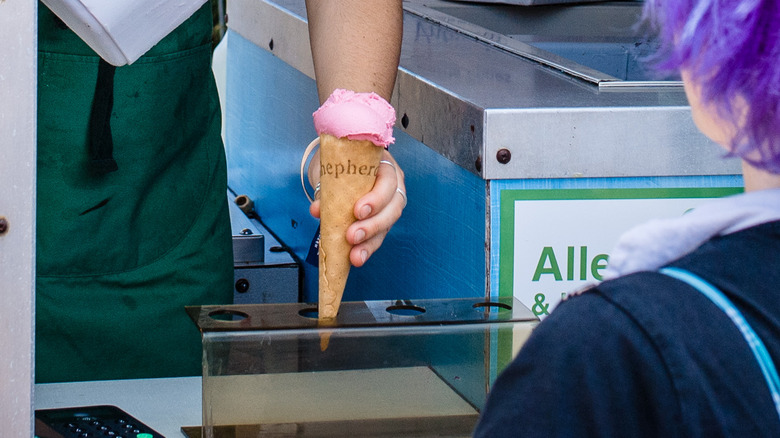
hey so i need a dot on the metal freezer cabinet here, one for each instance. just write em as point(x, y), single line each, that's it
point(530, 136)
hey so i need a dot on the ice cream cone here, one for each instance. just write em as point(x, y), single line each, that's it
point(348, 170)
point(326, 330)
point(354, 130)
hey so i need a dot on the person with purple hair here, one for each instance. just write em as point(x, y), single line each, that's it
point(682, 337)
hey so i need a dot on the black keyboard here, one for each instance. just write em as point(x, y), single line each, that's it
point(90, 422)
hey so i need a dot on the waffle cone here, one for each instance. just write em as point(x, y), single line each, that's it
point(347, 172)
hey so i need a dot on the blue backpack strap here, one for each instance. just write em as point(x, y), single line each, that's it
point(756, 345)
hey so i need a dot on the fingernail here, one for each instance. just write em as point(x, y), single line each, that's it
point(359, 236)
point(364, 255)
point(365, 211)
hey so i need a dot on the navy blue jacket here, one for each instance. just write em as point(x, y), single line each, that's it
point(646, 355)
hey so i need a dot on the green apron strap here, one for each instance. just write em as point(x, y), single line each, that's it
point(101, 143)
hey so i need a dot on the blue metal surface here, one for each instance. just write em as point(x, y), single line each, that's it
point(436, 250)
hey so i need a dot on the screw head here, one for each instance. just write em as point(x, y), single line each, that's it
point(242, 285)
point(3, 225)
point(503, 156)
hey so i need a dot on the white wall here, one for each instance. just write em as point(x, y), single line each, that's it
point(18, 69)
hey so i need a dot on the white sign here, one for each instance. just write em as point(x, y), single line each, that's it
point(560, 245)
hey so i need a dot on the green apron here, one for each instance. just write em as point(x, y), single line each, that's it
point(120, 253)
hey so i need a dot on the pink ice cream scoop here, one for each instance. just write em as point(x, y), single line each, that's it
point(356, 116)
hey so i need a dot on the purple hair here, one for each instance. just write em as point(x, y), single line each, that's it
point(732, 50)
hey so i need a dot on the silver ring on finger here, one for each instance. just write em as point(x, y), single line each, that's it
point(388, 163)
point(403, 195)
point(316, 191)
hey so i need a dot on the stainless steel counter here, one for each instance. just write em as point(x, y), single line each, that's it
point(479, 80)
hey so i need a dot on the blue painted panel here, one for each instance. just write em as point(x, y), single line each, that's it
point(436, 250)
point(267, 126)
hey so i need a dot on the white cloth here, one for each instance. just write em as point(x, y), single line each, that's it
point(121, 31)
point(655, 243)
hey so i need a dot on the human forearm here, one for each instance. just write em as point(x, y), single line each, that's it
point(355, 44)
